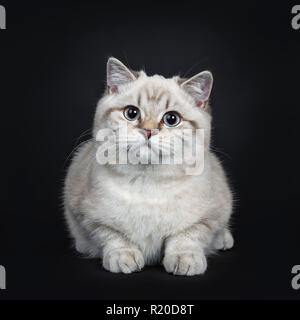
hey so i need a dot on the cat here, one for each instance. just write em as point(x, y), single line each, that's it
point(132, 215)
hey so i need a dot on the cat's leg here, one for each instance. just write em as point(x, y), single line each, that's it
point(223, 240)
point(86, 247)
point(118, 253)
point(185, 251)
point(82, 244)
point(91, 238)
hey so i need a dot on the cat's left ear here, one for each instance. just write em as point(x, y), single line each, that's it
point(199, 87)
point(117, 74)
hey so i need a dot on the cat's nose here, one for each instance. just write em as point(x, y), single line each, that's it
point(148, 132)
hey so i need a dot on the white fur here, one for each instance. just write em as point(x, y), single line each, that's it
point(131, 215)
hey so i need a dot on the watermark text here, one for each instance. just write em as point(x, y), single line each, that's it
point(296, 19)
point(2, 18)
point(2, 278)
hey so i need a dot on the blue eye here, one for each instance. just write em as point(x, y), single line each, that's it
point(171, 119)
point(132, 113)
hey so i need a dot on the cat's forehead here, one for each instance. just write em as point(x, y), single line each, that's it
point(156, 91)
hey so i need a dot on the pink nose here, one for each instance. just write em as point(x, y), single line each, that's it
point(148, 133)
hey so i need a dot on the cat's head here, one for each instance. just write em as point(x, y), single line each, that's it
point(154, 110)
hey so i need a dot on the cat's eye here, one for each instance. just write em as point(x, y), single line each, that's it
point(132, 113)
point(171, 119)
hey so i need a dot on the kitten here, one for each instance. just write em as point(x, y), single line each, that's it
point(136, 214)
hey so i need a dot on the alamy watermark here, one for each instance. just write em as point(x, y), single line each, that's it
point(121, 146)
point(2, 278)
point(2, 17)
point(296, 279)
point(296, 19)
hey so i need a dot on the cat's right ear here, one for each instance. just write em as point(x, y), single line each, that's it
point(117, 75)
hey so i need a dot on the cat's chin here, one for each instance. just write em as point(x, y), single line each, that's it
point(158, 171)
point(145, 154)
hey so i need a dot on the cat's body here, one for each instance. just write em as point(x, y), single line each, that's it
point(129, 214)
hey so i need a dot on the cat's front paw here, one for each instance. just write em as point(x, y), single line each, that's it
point(185, 263)
point(125, 260)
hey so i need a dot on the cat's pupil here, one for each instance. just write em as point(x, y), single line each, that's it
point(171, 118)
point(132, 112)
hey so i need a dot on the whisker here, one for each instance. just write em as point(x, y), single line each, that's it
point(74, 150)
point(84, 133)
point(221, 152)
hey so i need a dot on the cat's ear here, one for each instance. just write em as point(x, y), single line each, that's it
point(117, 74)
point(199, 87)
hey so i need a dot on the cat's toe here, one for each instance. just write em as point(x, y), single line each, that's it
point(123, 260)
point(185, 264)
point(224, 240)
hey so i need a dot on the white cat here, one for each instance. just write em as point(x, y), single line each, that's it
point(136, 214)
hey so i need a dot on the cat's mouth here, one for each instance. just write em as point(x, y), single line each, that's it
point(146, 144)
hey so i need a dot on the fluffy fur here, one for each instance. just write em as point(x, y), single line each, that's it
point(132, 215)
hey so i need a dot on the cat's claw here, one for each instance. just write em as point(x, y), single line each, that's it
point(125, 260)
point(185, 264)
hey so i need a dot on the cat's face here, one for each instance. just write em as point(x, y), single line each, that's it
point(158, 116)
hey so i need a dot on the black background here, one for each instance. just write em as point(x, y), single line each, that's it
point(52, 58)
